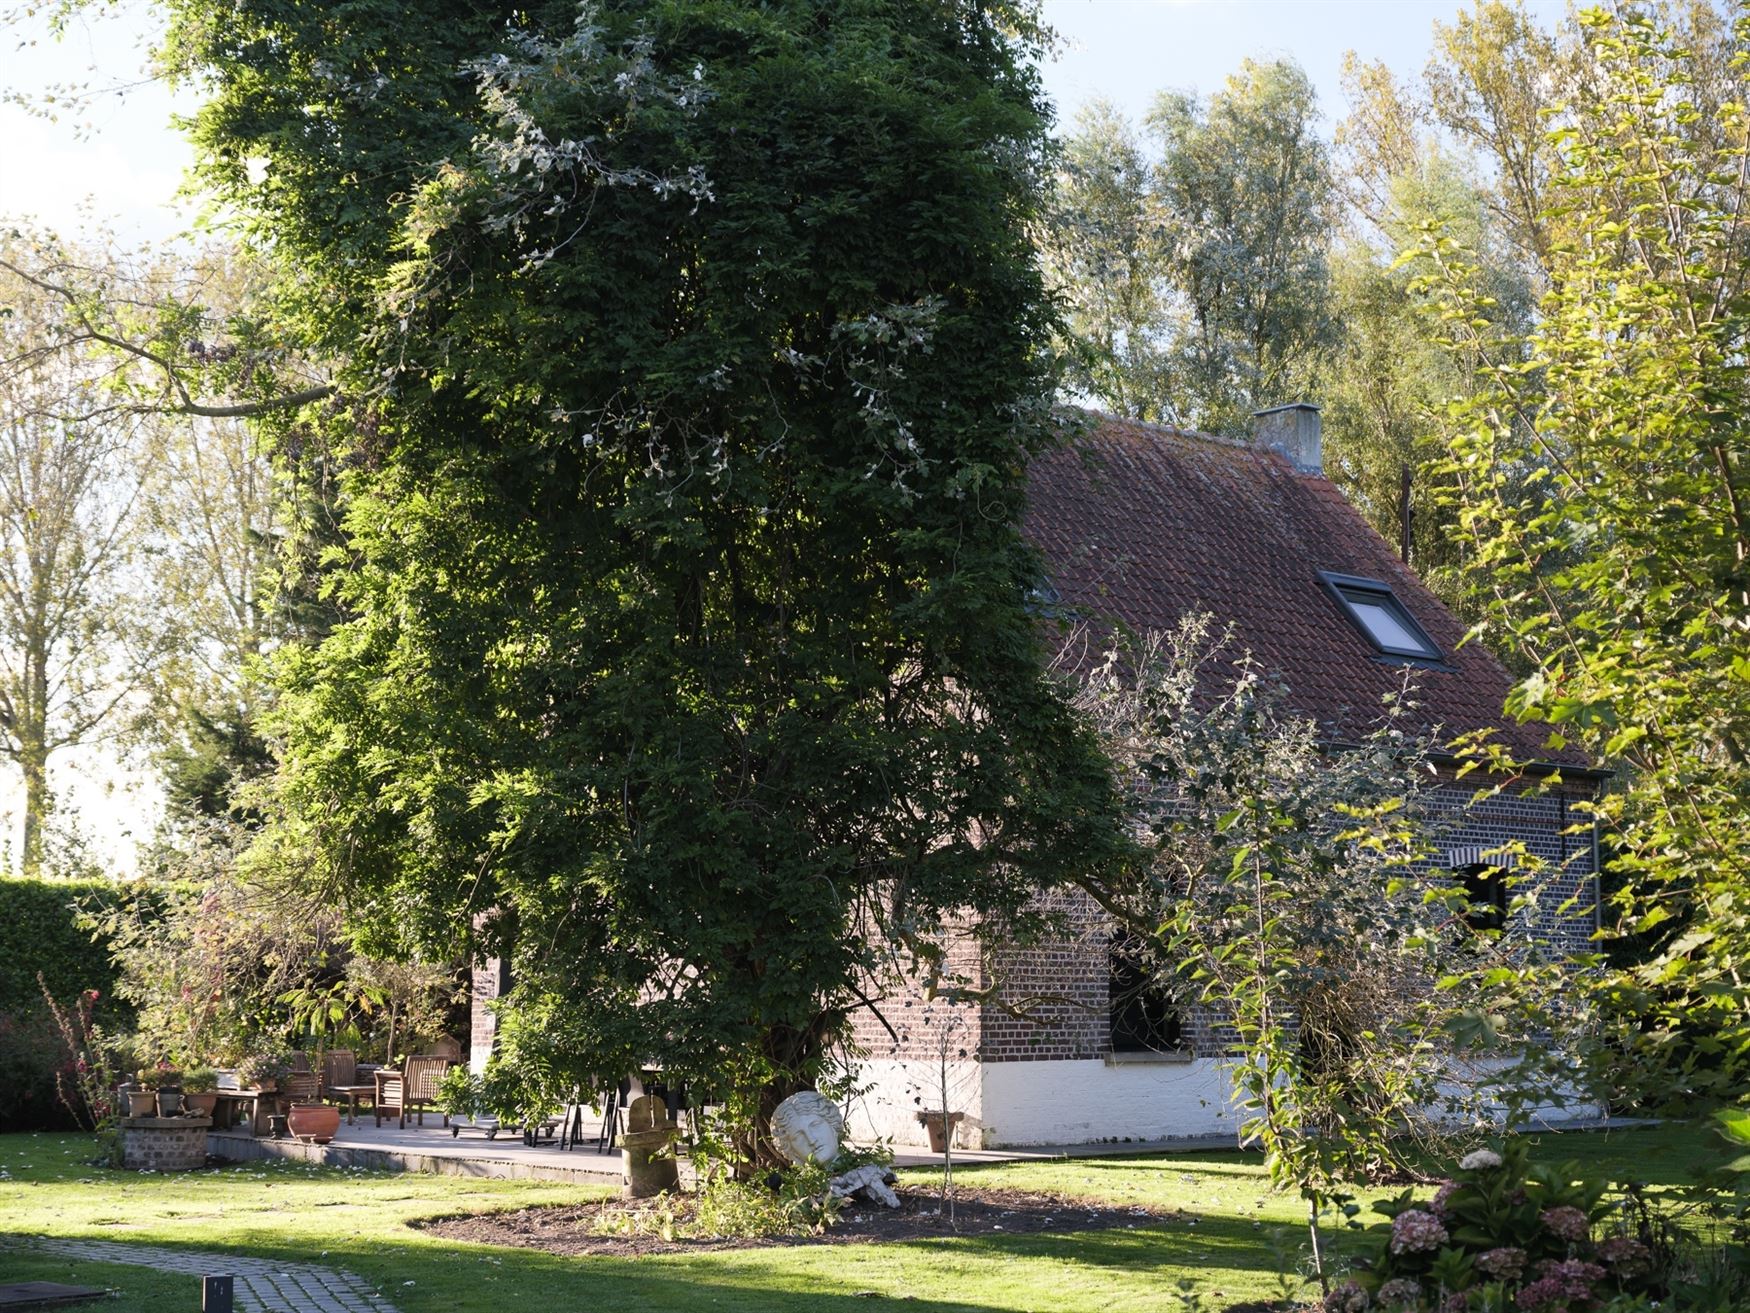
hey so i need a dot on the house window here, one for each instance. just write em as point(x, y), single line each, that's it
point(1376, 612)
point(1485, 886)
point(1143, 1017)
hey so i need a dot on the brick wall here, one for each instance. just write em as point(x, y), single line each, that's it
point(1061, 986)
point(490, 979)
point(164, 1144)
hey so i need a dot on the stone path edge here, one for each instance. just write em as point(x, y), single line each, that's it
point(262, 1285)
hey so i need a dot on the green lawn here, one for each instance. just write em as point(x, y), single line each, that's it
point(359, 1221)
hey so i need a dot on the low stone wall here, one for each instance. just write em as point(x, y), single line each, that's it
point(164, 1144)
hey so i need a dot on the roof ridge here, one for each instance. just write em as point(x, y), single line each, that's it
point(1173, 430)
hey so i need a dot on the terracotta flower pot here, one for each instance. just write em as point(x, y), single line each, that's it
point(313, 1122)
point(940, 1127)
point(142, 1103)
point(201, 1103)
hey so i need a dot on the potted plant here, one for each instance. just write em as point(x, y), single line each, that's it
point(314, 1123)
point(941, 1126)
point(142, 1094)
point(169, 1090)
point(263, 1072)
point(199, 1086)
point(159, 1093)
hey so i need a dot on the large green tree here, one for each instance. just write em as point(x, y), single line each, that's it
point(694, 353)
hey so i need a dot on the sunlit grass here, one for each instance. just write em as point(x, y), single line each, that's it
point(1230, 1233)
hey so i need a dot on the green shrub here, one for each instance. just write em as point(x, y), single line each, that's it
point(1506, 1235)
point(794, 1202)
point(28, 1045)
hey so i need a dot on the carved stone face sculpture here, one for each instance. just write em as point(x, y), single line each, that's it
point(807, 1126)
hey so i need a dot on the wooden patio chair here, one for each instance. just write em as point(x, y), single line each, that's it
point(414, 1086)
point(302, 1087)
point(444, 1046)
point(340, 1081)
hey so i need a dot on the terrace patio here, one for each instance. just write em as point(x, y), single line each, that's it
point(431, 1148)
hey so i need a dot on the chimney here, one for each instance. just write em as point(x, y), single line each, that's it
point(1292, 430)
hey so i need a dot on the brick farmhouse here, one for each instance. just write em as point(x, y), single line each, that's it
point(1141, 524)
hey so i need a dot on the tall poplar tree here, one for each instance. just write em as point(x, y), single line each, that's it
point(694, 355)
point(1194, 269)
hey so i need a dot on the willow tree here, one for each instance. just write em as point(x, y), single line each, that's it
point(695, 353)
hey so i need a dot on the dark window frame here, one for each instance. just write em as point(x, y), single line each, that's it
point(1349, 589)
point(1139, 1019)
point(1485, 887)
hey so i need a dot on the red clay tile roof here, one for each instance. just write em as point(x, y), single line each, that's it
point(1142, 524)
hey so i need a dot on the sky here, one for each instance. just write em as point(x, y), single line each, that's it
point(118, 162)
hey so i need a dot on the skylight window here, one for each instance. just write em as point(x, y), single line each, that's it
point(1377, 612)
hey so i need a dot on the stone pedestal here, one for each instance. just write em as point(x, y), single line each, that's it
point(647, 1161)
point(164, 1144)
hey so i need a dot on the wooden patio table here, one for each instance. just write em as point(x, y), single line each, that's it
point(262, 1105)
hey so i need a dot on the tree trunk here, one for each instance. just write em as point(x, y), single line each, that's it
point(32, 731)
point(791, 1058)
point(34, 765)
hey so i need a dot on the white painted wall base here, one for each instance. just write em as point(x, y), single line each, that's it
point(1081, 1102)
point(1017, 1104)
point(1472, 1093)
point(896, 1091)
point(1013, 1104)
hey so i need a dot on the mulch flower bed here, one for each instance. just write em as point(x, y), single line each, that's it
point(569, 1228)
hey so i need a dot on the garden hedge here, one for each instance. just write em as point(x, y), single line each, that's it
point(37, 933)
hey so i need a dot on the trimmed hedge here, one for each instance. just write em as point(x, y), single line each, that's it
point(37, 934)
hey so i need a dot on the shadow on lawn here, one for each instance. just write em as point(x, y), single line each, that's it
point(418, 1278)
point(1230, 1164)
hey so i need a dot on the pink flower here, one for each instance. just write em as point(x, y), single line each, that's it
point(1503, 1264)
point(1566, 1222)
point(1561, 1287)
point(1441, 1196)
point(1628, 1256)
point(1401, 1293)
point(1545, 1294)
point(1347, 1298)
point(1413, 1231)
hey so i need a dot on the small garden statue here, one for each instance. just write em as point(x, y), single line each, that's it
point(807, 1127)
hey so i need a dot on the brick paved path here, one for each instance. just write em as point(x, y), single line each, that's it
point(263, 1286)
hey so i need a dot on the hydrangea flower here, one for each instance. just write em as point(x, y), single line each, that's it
point(1413, 1231)
point(1560, 1286)
point(1544, 1294)
point(1566, 1222)
point(1479, 1160)
point(1442, 1196)
point(1628, 1256)
point(1347, 1298)
point(1503, 1264)
point(1401, 1293)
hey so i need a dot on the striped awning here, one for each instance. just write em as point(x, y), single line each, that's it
point(1475, 854)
